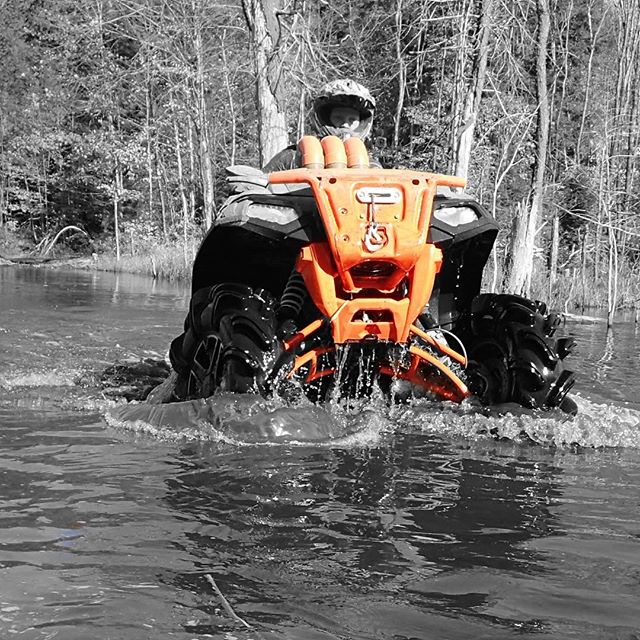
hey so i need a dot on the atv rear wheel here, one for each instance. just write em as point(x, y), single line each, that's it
point(513, 355)
point(229, 341)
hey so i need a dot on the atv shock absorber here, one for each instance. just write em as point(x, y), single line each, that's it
point(293, 299)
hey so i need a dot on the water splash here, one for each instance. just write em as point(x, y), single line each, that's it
point(595, 425)
point(249, 419)
point(33, 379)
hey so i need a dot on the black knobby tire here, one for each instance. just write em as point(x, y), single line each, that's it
point(513, 353)
point(229, 341)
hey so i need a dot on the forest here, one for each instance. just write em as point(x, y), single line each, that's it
point(118, 118)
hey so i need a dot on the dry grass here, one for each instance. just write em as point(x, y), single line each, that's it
point(572, 292)
point(169, 261)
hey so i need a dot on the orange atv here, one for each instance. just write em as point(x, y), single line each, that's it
point(336, 279)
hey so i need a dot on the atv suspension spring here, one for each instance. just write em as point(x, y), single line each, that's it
point(293, 298)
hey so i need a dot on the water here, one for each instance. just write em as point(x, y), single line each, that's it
point(410, 522)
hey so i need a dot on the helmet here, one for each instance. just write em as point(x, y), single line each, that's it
point(342, 93)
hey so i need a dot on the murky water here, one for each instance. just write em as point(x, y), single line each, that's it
point(410, 522)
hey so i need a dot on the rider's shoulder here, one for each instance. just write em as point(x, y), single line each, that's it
point(285, 159)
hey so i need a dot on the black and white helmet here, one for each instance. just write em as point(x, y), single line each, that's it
point(342, 93)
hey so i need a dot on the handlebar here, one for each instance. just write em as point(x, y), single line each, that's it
point(331, 158)
point(295, 176)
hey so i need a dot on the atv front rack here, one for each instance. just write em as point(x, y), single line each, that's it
point(423, 369)
point(375, 272)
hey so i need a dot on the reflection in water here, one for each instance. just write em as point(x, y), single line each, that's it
point(604, 363)
point(607, 362)
point(419, 521)
point(352, 521)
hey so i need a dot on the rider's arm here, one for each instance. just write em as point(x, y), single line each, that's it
point(284, 160)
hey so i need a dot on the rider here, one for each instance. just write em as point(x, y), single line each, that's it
point(341, 108)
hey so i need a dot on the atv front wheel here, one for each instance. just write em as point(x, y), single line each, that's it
point(229, 341)
point(513, 355)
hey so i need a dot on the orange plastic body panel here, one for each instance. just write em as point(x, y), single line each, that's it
point(310, 358)
point(405, 222)
point(295, 340)
point(455, 391)
point(347, 315)
point(448, 387)
point(443, 348)
point(375, 273)
point(388, 206)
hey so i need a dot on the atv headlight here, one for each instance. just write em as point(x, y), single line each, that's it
point(455, 216)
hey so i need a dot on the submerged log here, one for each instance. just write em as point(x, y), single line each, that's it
point(25, 259)
point(575, 316)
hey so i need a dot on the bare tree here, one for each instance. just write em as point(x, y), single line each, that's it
point(261, 17)
point(469, 116)
point(523, 244)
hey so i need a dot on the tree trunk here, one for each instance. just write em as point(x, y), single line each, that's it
point(513, 259)
point(183, 191)
point(583, 272)
point(458, 89)
point(192, 172)
point(163, 202)
point(593, 38)
point(148, 116)
point(5, 178)
point(402, 75)
point(474, 93)
point(612, 277)
point(557, 100)
point(232, 107)
point(555, 243)
point(272, 127)
point(627, 111)
point(116, 206)
point(206, 162)
point(520, 276)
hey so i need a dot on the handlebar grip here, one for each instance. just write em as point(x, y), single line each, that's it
point(289, 176)
point(452, 181)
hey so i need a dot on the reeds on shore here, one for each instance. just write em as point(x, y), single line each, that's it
point(172, 261)
point(571, 292)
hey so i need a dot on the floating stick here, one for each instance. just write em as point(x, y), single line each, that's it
point(228, 608)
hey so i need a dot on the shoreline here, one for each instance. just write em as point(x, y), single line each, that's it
point(107, 264)
point(168, 263)
point(31, 261)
